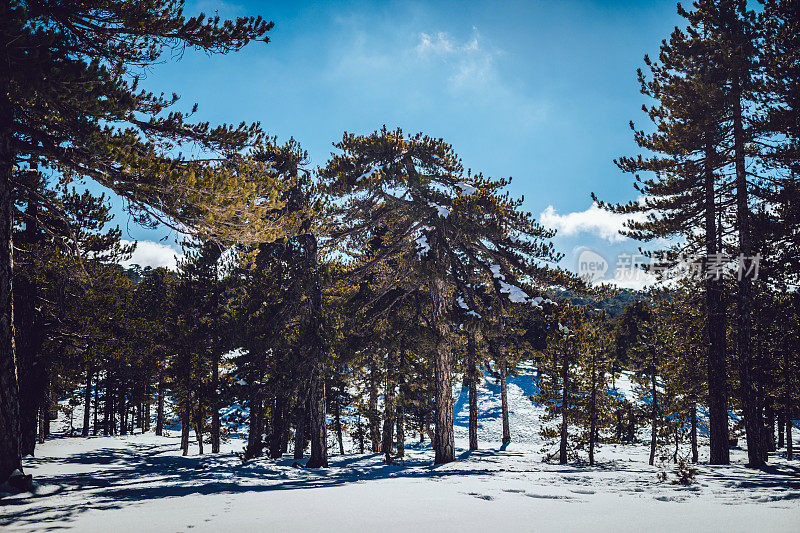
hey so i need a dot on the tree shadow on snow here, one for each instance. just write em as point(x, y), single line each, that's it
point(141, 472)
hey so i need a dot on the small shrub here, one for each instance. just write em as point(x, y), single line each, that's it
point(684, 473)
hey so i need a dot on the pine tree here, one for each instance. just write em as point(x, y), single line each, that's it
point(594, 374)
point(82, 59)
point(439, 223)
point(703, 85)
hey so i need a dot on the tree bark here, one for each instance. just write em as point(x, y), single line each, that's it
point(10, 452)
point(160, 407)
point(444, 441)
point(752, 416)
point(316, 355)
point(562, 449)
point(401, 436)
point(279, 421)
point(255, 432)
point(387, 442)
point(769, 427)
point(215, 422)
point(789, 442)
point(123, 411)
point(96, 403)
point(108, 404)
point(87, 401)
point(653, 420)
point(319, 429)
point(198, 425)
point(337, 422)
point(44, 413)
point(715, 325)
point(781, 426)
point(502, 363)
point(472, 384)
point(372, 414)
point(29, 328)
point(592, 411)
point(147, 401)
point(185, 423)
point(299, 433)
point(694, 433)
point(400, 405)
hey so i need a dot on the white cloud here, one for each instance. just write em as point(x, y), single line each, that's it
point(153, 254)
point(637, 279)
point(430, 69)
point(593, 220)
point(471, 64)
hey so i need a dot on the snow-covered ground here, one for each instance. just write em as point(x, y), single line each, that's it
point(141, 483)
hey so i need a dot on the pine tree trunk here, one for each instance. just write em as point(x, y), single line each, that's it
point(87, 401)
point(29, 332)
point(107, 405)
point(319, 429)
point(562, 450)
point(96, 403)
point(653, 421)
point(198, 425)
point(337, 421)
point(360, 434)
point(44, 413)
point(185, 423)
point(387, 441)
point(676, 434)
point(299, 432)
point(504, 396)
point(255, 431)
point(400, 405)
point(789, 442)
point(752, 416)
point(123, 411)
point(769, 427)
point(160, 407)
point(388, 410)
point(781, 426)
point(215, 422)
point(373, 415)
point(694, 433)
point(444, 443)
point(401, 436)
point(592, 413)
point(10, 452)
point(472, 383)
point(316, 355)
point(279, 421)
point(715, 326)
point(147, 401)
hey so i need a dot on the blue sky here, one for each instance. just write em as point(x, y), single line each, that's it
point(539, 91)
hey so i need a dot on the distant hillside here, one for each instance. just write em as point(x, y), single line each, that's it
point(613, 305)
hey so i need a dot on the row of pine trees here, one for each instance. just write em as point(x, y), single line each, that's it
point(349, 297)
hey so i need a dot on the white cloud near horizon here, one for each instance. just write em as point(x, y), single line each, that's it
point(153, 254)
point(637, 279)
point(593, 220)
